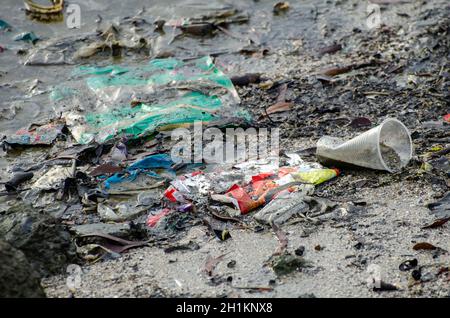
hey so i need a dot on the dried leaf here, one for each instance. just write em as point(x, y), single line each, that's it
point(282, 238)
point(333, 71)
point(279, 107)
point(385, 287)
point(437, 223)
point(388, 1)
point(282, 93)
point(190, 246)
point(211, 263)
point(424, 246)
point(255, 288)
point(443, 270)
point(330, 49)
point(222, 235)
point(325, 79)
point(359, 122)
point(246, 79)
point(105, 169)
point(111, 238)
point(116, 244)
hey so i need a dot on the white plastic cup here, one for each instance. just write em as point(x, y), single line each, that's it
point(385, 147)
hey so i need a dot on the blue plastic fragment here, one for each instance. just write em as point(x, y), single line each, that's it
point(121, 177)
point(4, 25)
point(27, 37)
point(144, 165)
point(153, 161)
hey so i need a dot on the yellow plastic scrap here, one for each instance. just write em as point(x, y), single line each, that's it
point(316, 176)
point(436, 148)
point(425, 166)
point(427, 155)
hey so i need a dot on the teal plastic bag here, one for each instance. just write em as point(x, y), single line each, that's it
point(135, 101)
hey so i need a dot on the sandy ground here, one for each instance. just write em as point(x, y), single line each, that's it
point(377, 233)
point(378, 236)
point(388, 229)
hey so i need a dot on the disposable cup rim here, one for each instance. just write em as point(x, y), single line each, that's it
point(380, 127)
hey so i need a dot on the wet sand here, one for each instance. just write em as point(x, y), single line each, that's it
point(405, 79)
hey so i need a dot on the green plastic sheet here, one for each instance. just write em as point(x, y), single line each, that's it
point(102, 103)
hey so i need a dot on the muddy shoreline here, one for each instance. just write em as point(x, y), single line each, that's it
point(400, 69)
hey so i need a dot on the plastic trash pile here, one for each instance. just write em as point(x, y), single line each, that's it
point(242, 192)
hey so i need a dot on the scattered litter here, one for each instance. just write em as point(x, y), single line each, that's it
point(143, 166)
point(124, 98)
point(116, 244)
point(231, 264)
point(211, 263)
point(190, 246)
point(17, 179)
point(115, 229)
point(282, 239)
point(36, 135)
point(105, 169)
point(441, 208)
point(94, 158)
point(105, 245)
point(408, 265)
point(360, 122)
point(385, 147)
point(300, 251)
point(330, 49)
point(284, 206)
point(267, 186)
point(53, 178)
point(222, 235)
point(154, 219)
point(447, 118)
point(286, 263)
point(106, 213)
point(280, 7)
point(32, 7)
point(4, 25)
point(27, 37)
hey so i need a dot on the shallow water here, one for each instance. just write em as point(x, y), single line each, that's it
point(25, 90)
point(20, 104)
point(305, 27)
